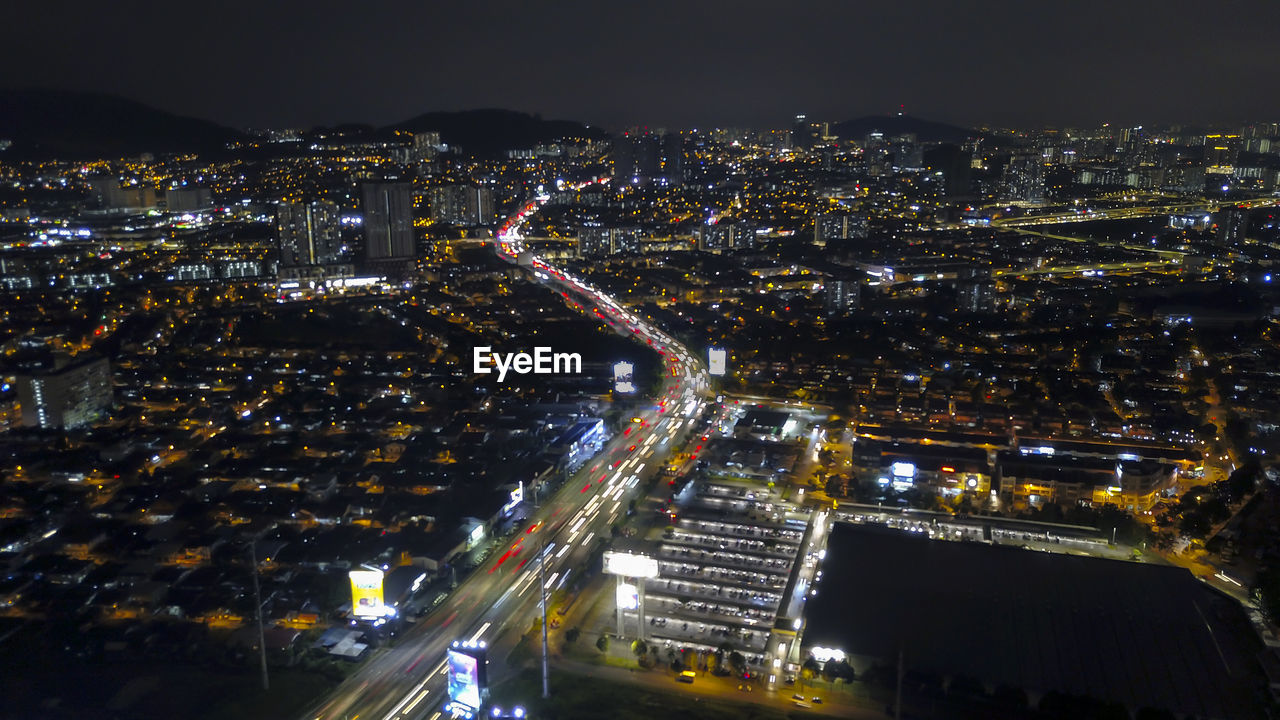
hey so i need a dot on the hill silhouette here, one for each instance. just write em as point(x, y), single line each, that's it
point(72, 125)
point(492, 131)
point(925, 130)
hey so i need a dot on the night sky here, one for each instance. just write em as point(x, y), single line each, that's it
point(661, 63)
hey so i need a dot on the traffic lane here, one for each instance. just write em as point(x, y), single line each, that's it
point(422, 640)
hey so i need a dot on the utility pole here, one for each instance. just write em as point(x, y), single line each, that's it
point(542, 595)
point(257, 601)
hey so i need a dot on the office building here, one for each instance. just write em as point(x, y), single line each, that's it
point(308, 233)
point(388, 221)
point(65, 393)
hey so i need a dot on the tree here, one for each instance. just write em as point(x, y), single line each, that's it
point(602, 643)
point(640, 650)
point(1010, 697)
point(737, 663)
point(809, 670)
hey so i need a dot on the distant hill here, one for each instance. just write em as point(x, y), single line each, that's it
point(925, 130)
point(492, 131)
point(85, 126)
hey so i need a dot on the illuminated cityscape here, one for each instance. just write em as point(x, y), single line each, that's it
point(849, 362)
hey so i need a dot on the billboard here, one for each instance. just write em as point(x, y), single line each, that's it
point(366, 593)
point(628, 565)
point(623, 373)
point(628, 596)
point(466, 675)
point(717, 359)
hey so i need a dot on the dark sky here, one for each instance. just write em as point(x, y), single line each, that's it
point(676, 63)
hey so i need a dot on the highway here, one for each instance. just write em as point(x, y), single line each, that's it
point(1123, 213)
point(408, 681)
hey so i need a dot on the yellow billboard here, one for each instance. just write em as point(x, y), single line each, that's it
point(366, 593)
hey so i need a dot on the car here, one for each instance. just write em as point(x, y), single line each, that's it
point(816, 700)
point(798, 696)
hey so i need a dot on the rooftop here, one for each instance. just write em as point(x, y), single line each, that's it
point(1143, 635)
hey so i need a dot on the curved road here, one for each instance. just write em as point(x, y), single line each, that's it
point(408, 681)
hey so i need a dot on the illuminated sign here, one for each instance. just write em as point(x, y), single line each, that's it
point(628, 565)
point(516, 497)
point(822, 654)
point(623, 373)
point(903, 469)
point(717, 359)
point(628, 597)
point(464, 679)
point(366, 593)
point(947, 468)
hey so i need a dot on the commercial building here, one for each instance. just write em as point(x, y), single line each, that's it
point(582, 440)
point(1138, 634)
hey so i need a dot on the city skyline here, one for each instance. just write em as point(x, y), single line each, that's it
point(848, 359)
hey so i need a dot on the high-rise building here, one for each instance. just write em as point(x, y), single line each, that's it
point(465, 205)
point(595, 240)
point(65, 393)
point(1024, 179)
point(835, 227)
point(841, 295)
point(388, 221)
point(426, 145)
point(1233, 224)
point(308, 233)
point(976, 295)
point(1221, 152)
point(805, 135)
point(727, 235)
point(956, 165)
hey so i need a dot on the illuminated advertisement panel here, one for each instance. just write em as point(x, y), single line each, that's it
point(366, 593)
point(717, 359)
point(628, 565)
point(464, 679)
point(628, 597)
point(623, 373)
